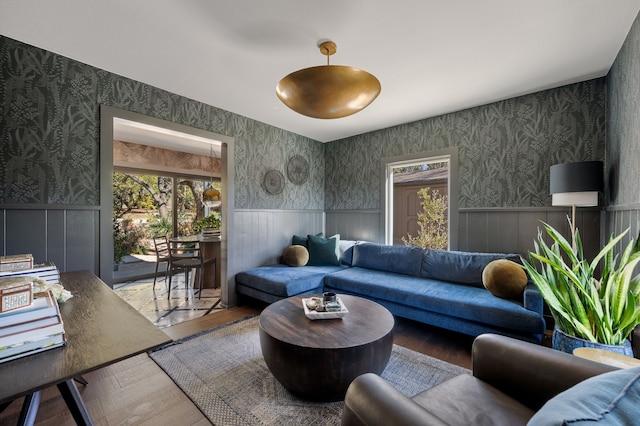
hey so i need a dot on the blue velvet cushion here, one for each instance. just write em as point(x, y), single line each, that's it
point(611, 398)
point(345, 247)
point(284, 281)
point(399, 259)
point(459, 267)
point(474, 304)
point(323, 251)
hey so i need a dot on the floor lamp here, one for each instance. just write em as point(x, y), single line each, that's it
point(576, 185)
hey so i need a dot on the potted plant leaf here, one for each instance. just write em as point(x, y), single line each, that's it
point(589, 310)
point(210, 225)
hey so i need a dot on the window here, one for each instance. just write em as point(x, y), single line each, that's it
point(404, 177)
point(148, 204)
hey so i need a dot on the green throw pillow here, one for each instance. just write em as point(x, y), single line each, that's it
point(298, 240)
point(323, 251)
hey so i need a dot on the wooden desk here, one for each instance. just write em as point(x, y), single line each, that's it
point(210, 249)
point(101, 329)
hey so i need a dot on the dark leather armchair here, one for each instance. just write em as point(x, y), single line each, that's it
point(511, 380)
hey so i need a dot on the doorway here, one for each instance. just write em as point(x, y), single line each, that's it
point(224, 145)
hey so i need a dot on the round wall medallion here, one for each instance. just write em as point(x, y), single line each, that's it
point(273, 182)
point(298, 169)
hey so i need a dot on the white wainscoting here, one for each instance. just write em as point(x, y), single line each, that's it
point(500, 230)
point(69, 236)
point(258, 238)
point(358, 225)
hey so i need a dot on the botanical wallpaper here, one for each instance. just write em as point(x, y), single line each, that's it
point(623, 138)
point(49, 133)
point(505, 148)
point(49, 140)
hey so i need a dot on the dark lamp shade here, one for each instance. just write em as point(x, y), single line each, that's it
point(576, 184)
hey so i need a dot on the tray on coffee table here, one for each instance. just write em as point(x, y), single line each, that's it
point(314, 315)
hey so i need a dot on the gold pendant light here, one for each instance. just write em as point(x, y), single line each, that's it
point(328, 91)
point(211, 197)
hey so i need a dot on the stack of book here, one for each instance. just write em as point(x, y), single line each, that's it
point(46, 271)
point(31, 329)
point(30, 322)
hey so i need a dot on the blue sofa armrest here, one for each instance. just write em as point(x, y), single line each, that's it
point(532, 299)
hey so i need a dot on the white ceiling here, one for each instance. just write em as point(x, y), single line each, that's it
point(431, 56)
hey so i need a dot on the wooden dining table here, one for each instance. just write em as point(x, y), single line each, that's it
point(210, 249)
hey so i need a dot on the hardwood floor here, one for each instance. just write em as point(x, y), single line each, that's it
point(137, 392)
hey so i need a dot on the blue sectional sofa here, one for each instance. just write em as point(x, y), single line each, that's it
point(437, 287)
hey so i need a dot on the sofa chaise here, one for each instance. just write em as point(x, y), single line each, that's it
point(436, 287)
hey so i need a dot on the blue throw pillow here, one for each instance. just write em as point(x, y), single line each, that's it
point(459, 266)
point(345, 251)
point(611, 398)
point(323, 251)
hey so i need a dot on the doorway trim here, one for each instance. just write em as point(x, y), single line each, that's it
point(105, 237)
point(386, 189)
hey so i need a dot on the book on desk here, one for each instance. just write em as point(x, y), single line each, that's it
point(46, 271)
point(31, 329)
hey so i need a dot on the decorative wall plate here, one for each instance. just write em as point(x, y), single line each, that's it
point(273, 182)
point(298, 170)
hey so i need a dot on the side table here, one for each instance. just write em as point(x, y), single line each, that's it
point(607, 357)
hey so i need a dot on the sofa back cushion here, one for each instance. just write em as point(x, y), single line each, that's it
point(345, 247)
point(398, 259)
point(458, 266)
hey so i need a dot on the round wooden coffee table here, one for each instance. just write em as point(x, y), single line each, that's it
point(318, 359)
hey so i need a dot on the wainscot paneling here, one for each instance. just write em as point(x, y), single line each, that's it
point(513, 230)
point(260, 236)
point(359, 225)
point(500, 230)
point(621, 218)
point(65, 236)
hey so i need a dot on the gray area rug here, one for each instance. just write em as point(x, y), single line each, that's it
point(224, 374)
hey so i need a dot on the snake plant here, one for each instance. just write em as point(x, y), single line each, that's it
point(601, 310)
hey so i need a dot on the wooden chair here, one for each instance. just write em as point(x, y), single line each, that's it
point(161, 245)
point(186, 257)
